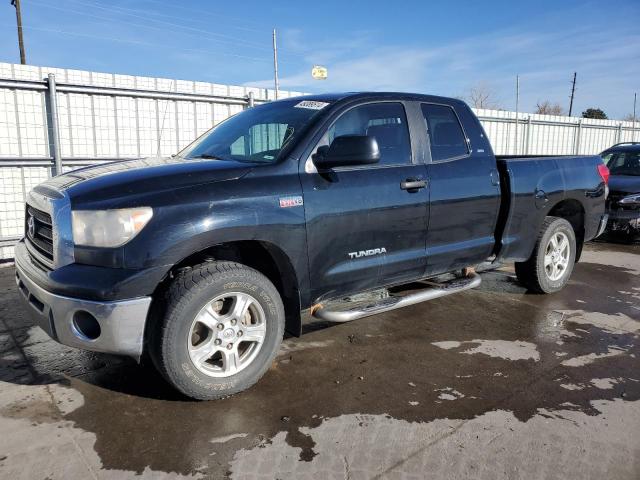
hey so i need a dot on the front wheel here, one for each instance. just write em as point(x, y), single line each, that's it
point(221, 331)
point(550, 266)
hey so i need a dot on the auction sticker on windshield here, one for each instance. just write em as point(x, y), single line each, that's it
point(311, 104)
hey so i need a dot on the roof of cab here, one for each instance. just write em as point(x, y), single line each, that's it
point(347, 96)
point(624, 147)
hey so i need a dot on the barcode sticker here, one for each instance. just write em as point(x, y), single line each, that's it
point(311, 104)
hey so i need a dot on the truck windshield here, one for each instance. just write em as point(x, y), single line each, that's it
point(623, 163)
point(258, 134)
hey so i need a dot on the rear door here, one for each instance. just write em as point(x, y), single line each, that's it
point(364, 227)
point(464, 188)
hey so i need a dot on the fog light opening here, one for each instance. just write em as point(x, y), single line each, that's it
point(86, 325)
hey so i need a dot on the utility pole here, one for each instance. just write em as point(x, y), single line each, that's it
point(573, 92)
point(23, 57)
point(275, 63)
point(517, 109)
point(633, 128)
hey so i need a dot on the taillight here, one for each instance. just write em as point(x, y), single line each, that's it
point(604, 173)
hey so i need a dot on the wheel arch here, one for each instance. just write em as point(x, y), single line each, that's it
point(265, 257)
point(573, 212)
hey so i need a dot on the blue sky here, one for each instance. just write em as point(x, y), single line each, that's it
point(436, 47)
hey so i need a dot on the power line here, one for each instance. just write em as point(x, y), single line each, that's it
point(233, 40)
point(142, 43)
point(170, 24)
point(200, 12)
point(215, 15)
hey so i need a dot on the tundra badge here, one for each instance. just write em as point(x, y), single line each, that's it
point(367, 253)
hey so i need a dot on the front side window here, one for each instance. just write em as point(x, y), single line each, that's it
point(256, 135)
point(386, 122)
point(445, 132)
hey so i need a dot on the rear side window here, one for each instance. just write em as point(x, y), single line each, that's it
point(386, 122)
point(445, 132)
point(623, 163)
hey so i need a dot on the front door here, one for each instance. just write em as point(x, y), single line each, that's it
point(365, 227)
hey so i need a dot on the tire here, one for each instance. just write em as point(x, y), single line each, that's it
point(537, 274)
point(180, 343)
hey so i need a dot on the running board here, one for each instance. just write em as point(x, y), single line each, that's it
point(393, 302)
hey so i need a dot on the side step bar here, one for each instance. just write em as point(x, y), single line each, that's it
point(393, 302)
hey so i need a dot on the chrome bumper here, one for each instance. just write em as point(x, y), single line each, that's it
point(110, 327)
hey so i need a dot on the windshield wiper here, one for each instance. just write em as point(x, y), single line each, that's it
point(207, 156)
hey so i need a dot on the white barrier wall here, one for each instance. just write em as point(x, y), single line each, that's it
point(553, 134)
point(99, 126)
point(111, 116)
point(104, 125)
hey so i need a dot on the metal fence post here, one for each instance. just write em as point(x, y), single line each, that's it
point(527, 145)
point(55, 132)
point(251, 100)
point(577, 146)
point(619, 133)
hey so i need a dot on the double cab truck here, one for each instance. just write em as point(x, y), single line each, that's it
point(318, 208)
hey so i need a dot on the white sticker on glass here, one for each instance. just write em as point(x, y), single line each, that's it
point(311, 104)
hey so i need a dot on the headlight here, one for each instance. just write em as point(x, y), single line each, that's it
point(631, 200)
point(108, 228)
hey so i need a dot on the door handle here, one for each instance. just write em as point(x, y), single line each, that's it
point(413, 184)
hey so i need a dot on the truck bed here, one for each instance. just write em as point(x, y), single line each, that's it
point(531, 186)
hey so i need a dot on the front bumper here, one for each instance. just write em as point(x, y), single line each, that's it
point(72, 321)
point(624, 220)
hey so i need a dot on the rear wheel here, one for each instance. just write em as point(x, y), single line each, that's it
point(221, 331)
point(550, 266)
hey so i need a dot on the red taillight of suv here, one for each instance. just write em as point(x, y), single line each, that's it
point(604, 173)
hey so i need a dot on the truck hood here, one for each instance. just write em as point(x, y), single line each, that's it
point(623, 184)
point(137, 177)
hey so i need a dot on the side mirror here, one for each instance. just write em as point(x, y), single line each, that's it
point(347, 150)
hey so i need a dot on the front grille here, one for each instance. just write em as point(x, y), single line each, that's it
point(39, 232)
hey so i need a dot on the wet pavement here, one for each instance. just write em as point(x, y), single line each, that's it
point(491, 383)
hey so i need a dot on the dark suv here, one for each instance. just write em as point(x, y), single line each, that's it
point(623, 203)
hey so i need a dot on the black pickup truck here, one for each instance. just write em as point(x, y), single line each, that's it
point(319, 207)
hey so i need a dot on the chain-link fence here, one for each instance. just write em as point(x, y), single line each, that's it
point(54, 120)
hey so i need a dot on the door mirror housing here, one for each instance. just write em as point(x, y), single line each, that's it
point(347, 150)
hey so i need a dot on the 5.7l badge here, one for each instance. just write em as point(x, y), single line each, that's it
point(293, 201)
